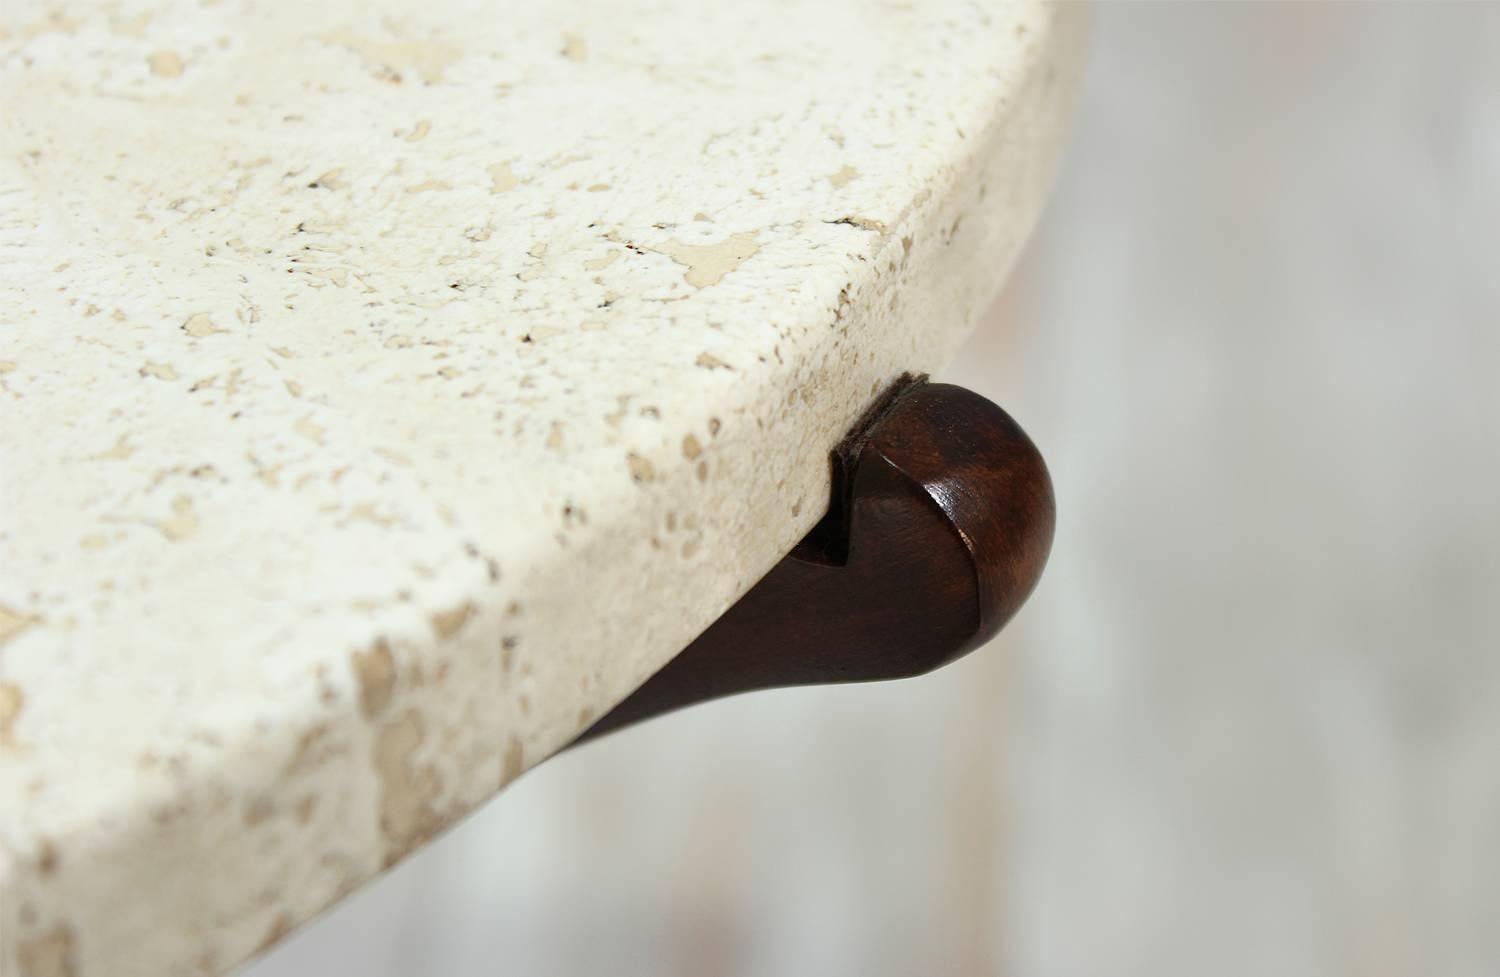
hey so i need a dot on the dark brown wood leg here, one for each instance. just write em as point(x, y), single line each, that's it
point(939, 527)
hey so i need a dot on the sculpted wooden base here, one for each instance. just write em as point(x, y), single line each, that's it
point(939, 527)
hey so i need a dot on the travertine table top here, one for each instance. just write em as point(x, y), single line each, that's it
point(386, 389)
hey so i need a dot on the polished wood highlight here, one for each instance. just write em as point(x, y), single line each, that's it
point(939, 527)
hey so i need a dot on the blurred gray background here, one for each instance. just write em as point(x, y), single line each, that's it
point(1250, 723)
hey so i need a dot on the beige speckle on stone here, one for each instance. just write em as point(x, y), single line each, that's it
point(376, 672)
point(121, 450)
point(6, 366)
point(54, 23)
point(641, 469)
point(309, 429)
point(429, 59)
point(276, 932)
point(707, 264)
point(182, 523)
point(47, 955)
point(406, 787)
point(864, 223)
point(47, 857)
point(843, 176)
point(445, 624)
point(133, 27)
point(417, 132)
point(12, 623)
point(303, 812)
point(599, 264)
point(690, 447)
point(370, 513)
point(165, 64)
point(501, 178)
point(11, 701)
point(331, 180)
point(574, 48)
point(258, 810)
point(711, 362)
point(315, 747)
point(622, 406)
point(161, 371)
point(200, 325)
point(515, 759)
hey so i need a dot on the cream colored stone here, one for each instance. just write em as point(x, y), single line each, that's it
point(409, 350)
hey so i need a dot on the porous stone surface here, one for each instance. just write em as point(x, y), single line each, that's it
point(386, 389)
